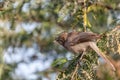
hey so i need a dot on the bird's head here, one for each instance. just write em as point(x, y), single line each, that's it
point(61, 38)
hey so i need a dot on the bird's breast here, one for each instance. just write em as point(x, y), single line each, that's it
point(78, 47)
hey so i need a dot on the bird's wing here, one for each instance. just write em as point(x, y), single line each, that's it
point(83, 37)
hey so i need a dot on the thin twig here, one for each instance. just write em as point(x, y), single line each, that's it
point(85, 16)
point(75, 71)
point(77, 66)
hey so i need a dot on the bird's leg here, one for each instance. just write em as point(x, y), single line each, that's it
point(83, 53)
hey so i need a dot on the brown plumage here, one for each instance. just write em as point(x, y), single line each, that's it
point(78, 42)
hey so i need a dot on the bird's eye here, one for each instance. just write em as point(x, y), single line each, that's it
point(60, 40)
point(57, 39)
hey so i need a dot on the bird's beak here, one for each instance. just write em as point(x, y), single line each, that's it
point(55, 41)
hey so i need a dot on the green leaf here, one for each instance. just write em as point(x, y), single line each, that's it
point(59, 62)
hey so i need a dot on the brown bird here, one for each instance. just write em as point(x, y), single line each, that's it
point(78, 42)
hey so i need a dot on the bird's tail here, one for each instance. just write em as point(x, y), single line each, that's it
point(100, 53)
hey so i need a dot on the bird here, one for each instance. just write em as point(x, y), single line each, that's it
point(78, 43)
